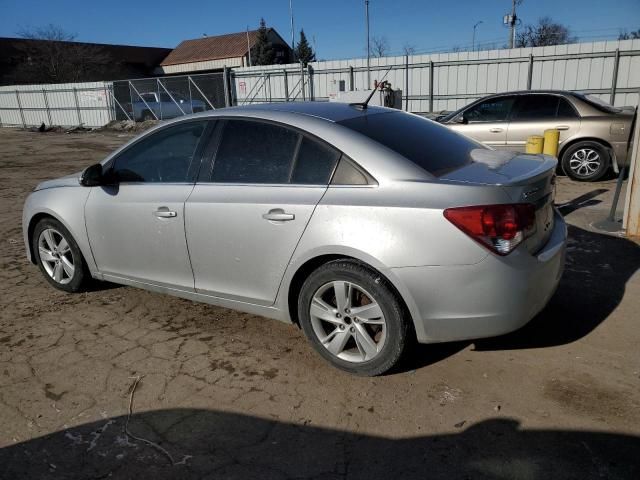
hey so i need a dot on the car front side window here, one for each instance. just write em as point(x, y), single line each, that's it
point(492, 110)
point(163, 157)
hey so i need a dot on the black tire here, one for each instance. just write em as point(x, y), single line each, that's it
point(81, 276)
point(397, 336)
point(583, 150)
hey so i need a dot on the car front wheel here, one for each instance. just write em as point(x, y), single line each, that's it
point(58, 256)
point(586, 161)
point(353, 318)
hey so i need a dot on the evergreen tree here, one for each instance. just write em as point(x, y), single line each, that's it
point(304, 53)
point(262, 51)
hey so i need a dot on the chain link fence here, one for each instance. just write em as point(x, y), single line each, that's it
point(168, 97)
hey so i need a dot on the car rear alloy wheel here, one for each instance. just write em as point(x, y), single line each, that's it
point(353, 317)
point(348, 321)
point(586, 161)
point(56, 256)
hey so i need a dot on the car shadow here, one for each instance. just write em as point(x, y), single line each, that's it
point(221, 445)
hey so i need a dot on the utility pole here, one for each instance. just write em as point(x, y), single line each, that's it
point(512, 23)
point(473, 41)
point(248, 46)
point(366, 14)
point(293, 34)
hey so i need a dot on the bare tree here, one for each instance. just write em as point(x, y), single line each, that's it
point(379, 46)
point(409, 49)
point(54, 57)
point(546, 32)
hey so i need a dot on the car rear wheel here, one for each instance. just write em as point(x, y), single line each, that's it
point(58, 256)
point(586, 161)
point(353, 318)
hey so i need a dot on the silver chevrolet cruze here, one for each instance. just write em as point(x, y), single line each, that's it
point(368, 227)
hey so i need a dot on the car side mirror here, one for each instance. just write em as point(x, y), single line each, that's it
point(92, 176)
point(461, 119)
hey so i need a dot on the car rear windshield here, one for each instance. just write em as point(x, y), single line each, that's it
point(596, 102)
point(429, 145)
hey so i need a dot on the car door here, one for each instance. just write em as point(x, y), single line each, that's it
point(534, 113)
point(136, 224)
point(486, 121)
point(246, 216)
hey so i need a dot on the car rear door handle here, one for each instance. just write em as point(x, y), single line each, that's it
point(562, 127)
point(495, 130)
point(278, 215)
point(164, 212)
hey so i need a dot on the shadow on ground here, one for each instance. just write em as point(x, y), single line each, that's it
point(597, 270)
point(209, 444)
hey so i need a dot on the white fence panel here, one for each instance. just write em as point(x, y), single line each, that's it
point(459, 78)
point(65, 104)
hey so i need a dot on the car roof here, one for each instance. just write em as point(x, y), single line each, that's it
point(331, 111)
point(529, 92)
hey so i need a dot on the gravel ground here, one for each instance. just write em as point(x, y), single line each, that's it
point(230, 395)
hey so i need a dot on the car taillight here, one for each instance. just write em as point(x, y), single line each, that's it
point(500, 228)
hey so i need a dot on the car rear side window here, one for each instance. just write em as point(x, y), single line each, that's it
point(565, 110)
point(254, 152)
point(429, 145)
point(162, 157)
point(535, 107)
point(315, 163)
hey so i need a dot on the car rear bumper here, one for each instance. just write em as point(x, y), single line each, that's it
point(493, 297)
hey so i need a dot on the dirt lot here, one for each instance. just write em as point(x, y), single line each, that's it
point(230, 395)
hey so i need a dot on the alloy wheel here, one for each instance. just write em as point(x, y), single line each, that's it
point(585, 162)
point(56, 256)
point(348, 321)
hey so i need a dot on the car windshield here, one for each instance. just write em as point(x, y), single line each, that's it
point(434, 148)
point(596, 102)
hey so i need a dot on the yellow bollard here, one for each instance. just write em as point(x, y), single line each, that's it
point(535, 144)
point(551, 140)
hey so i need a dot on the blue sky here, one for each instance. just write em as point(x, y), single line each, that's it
point(337, 26)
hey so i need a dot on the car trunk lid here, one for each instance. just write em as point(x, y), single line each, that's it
point(525, 178)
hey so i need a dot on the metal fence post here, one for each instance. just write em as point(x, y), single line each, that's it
point(351, 79)
point(614, 81)
point(46, 105)
point(302, 82)
point(406, 83)
point(24, 124)
point(530, 72)
point(310, 83)
point(286, 85)
point(431, 86)
point(75, 96)
point(190, 95)
point(225, 85)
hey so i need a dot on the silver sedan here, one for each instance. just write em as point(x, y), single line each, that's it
point(369, 228)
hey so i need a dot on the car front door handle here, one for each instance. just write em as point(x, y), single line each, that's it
point(278, 215)
point(164, 212)
point(495, 130)
point(562, 127)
